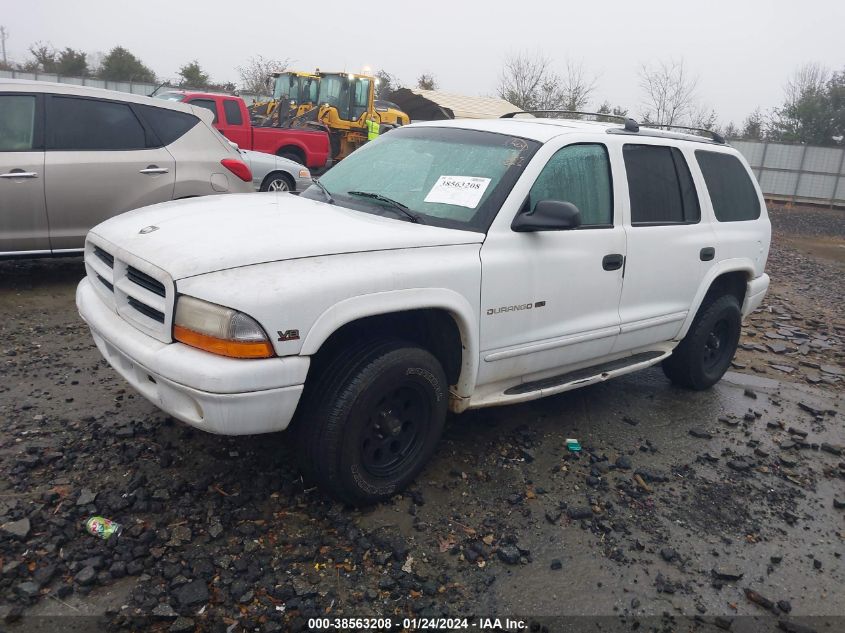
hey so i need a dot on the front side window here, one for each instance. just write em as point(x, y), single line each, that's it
point(208, 104)
point(233, 112)
point(91, 124)
point(660, 186)
point(579, 174)
point(17, 123)
point(732, 193)
point(446, 176)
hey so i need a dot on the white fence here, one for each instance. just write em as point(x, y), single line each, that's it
point(797, 173)
point(137, 88)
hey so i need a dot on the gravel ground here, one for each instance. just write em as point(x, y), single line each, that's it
point(700, 511)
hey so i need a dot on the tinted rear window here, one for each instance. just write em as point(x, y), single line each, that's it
point(233, 112)
point(660, 186)
point(731, 191)
point(91, 124)
point(168, 125)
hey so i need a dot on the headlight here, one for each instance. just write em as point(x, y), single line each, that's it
point(219, 330)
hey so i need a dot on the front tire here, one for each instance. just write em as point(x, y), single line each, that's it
point(705, 353)
point(372, 420)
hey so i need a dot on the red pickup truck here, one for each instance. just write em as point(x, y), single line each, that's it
point(307, 147)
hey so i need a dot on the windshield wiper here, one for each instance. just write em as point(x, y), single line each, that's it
point(413, 217)
point(325, 191)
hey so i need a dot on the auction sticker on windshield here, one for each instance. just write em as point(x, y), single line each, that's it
point(462, 191)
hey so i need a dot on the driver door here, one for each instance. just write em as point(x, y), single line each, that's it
point(550, 299)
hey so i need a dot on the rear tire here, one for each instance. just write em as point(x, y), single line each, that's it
point(292, 156)
point(372, 420)
point(705, 353)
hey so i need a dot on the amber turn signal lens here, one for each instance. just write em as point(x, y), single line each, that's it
point(222, 347)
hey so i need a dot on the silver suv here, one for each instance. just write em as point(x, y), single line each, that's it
point(72, 156)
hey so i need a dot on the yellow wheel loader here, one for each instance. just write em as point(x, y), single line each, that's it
point(344, 104)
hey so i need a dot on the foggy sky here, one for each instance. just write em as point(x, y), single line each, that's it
point(742, 50)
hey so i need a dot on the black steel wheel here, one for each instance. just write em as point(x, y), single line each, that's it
point(704, 355)
point(371, 420)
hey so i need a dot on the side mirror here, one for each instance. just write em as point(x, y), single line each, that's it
point(548, 215)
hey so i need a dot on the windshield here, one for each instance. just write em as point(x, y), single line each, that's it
point(285, 86)
point(449, 177)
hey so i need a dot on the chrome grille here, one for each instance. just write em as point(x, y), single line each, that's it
point(140, 293)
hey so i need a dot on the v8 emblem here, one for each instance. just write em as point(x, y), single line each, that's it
point(288, 335)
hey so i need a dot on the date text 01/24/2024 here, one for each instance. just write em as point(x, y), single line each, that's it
point(448, 624)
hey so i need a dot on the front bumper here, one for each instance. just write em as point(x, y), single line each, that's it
point(213, 393)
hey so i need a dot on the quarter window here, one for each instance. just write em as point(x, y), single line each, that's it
point(167, 124)
point(208, 104)
point(660, 186)
point(17, 123)
point(91, 124)
point(233, 112)
point(579, 174)
point(732, 193)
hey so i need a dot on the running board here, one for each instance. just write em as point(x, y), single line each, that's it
point(582, 374)
point(574, 379)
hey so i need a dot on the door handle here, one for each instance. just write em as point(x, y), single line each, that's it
point(707, 254)
point(19, 173)
point(612, 262)
point(154, 169)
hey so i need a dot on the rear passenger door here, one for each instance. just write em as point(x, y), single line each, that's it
point(100, 161)
point(737, 207)
point(23, 215)
point(669, 245)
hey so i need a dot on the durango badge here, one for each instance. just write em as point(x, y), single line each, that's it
point(148, 229)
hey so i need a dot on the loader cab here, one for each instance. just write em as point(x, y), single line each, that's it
point(299, 90)
point(350, 95)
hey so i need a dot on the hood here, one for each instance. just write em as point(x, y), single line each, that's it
point(203, 235)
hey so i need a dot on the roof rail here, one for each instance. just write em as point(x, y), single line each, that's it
point(630, 124)
point(718, 138)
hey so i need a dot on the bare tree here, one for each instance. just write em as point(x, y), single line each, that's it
point(809, 79)
point(577, 86)
point(529, 83)
point(669, 92)
point(255, 74)
point(387, 84)
point(702, 117)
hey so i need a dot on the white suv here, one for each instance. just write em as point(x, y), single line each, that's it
point(448, 265)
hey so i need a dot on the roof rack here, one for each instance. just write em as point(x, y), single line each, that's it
point(630, 124)
point(715, 136)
